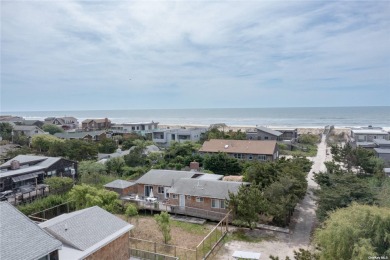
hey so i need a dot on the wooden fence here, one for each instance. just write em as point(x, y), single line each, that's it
point(204, 250)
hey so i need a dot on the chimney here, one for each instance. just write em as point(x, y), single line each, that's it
point(15, 165)
point(194, 166)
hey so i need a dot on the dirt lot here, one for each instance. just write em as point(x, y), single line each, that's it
point(183, 234)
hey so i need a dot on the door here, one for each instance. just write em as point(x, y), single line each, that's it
point(166, 192)
point(182, 201)
point(147, 190)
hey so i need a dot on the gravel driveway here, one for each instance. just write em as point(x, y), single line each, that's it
point(284, 244)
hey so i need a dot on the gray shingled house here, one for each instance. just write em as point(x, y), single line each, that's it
point(21, 238)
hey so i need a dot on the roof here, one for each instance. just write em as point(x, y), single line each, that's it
point(206, 188)
point(26, 128)
point(138, 123)
point(269, 131)
point(118, 153)
point(30, 121)
point(97, 120)
point(369, 131)
point(119, 184)
point(78, 135)
point(20, 238)
point(381, 142)
point(365, 144)
point(23, 159)
point(382, 151)
point(239, 146)
point(210, 176)
point(40, 163)
point(85, 231)
point(164, 177)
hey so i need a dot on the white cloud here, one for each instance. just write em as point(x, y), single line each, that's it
point(237, 51)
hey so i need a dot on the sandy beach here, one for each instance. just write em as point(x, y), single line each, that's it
point(244, 128)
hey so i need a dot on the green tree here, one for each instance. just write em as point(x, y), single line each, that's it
point(221, 163)
point(92, 173)
point(116, 165)
point(281, 198)
point(43, 142)
point(163, 221)
point(52, 129)
point(87, 196)
point(246, 205)
point(107, 146)
point(355, 232)
point(59, 185)
point(80, 150)
point(131, 211)
point(6, 131)
point(136, 157)
point(21, 139)
point(339, 191)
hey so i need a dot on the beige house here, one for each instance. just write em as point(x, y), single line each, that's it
point(243, 149)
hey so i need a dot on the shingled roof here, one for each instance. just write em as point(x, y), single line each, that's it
point(206, 188)
point(20, 238)
point(239, 146)
point(269, 131)
point(85, 231)
point(164, 177)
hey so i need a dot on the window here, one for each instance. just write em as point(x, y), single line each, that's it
point(174, 196)
point(265, 137)
point(161, 190)
point(250, 156)
point(238, 155)
point(188, 197)
point(214, 203)
point(218, 204)
point(199, 199)
point(262, 157)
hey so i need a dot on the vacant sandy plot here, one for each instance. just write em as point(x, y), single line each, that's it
point(183, 234)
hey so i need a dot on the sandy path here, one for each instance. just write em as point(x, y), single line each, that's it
point(285, 244)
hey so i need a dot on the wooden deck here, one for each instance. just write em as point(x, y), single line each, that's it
point(174, 209)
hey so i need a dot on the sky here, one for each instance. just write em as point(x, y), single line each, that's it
point(98, 55)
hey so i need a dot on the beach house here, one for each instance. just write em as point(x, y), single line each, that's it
point(66, 123)
point(96, 124)
point(164, 137)
point(368, 134)
point(260, 150)
point(25, 170)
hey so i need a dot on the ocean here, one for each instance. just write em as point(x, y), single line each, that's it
point(280, 117)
